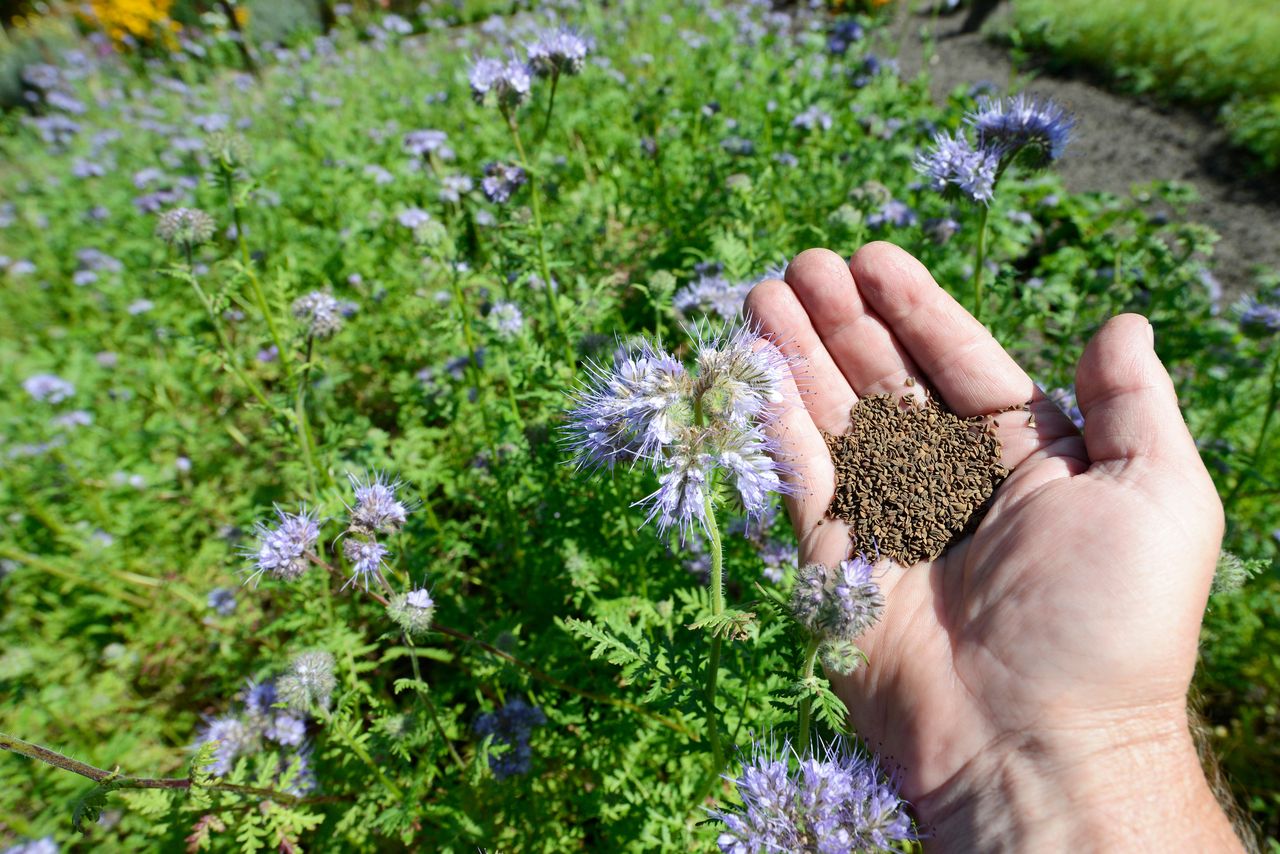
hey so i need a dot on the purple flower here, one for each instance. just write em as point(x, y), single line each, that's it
point(831, 801)
point(712, 294)
point(376, 508)
point(1065, 400)
point(507, 319)
point(892, 213)
point(1022, 123)
point(506, 83)
point(511, 726)
point(366, 558)
point(222, 601)
point(1258, 318)
point(454, 187)
point(234, 738)
point(688, 427)
point(953, 163)
point(48, 388)
point(556, 52)
point(813, 118)
point(837, 604)
point(71, 420)
point(421, 143)
point(413, 218)
point(284, 550)
point(286, 729)
point(501, 180)
point(843, 34)
point(321, 312)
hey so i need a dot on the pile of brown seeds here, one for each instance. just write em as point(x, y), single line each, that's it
point(911, 479)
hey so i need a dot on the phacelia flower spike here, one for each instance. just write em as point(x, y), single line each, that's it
point(322, 313)
point(501, 180)
point(559, 51)
point(1022, 123)
point(185, 227)
point(309, 683)
point(837, 604)
point(691, 427)
point(366, 558)
point(376, 509)
point(956, 164)
point(284, 550)
point(412, 611)
point(834, 801)
point(506, 83)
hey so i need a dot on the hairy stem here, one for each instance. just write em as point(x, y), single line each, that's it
point(717, 608)
point(806, 703)
point(979, 261)
point(258, 294)
point(124, 781)
point(544, 268)
point(303, 424)
point(431, 706)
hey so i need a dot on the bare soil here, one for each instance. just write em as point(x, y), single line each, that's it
point(1120, 142)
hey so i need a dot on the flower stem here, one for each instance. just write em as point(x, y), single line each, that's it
point(551, 102)
point(806, 704)
point(300, 418)
point(227, 351)
point(980, 258)
point(431, 707)
point(258, 294)
point(713, 661)
point(511, 389)
point(120, 781)
point(535, 203)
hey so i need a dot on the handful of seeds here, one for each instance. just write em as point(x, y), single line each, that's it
point(911, 480)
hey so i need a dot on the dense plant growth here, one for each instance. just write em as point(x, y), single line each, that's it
point(294, 551)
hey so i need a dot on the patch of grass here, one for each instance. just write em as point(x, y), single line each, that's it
point(1212, 53)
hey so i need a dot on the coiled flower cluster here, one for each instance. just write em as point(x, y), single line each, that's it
point(322, 313)
point(309, 683)
point(284, 550)
point(837, 604)
point(1005, 128)
point(556, 52)
point(376, 510)
point(832, 801)
point(185, 228)
point(690, 427)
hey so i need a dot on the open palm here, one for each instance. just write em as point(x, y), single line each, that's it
point(1074, 607)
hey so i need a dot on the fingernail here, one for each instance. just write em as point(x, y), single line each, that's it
point(1151, 334)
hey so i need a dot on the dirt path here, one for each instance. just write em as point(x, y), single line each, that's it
point(1120, 142)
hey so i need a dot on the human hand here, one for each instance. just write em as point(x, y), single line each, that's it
point(1031, 682)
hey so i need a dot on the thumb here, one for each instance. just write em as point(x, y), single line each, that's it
point(1129, 404)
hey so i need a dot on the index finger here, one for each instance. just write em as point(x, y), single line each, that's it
point(957, 355)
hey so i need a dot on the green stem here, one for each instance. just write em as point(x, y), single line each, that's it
point(227, 351)
point(980, 258)
point(1259, 443)
point(258, 294)
point(806, 704)
point(511, 389)
point(119, 781)
point(535, 203)
point(717, 608)
point(302, 423)
point(551, 102)
point(431, 706)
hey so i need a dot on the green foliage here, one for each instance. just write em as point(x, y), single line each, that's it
point(547, 589)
